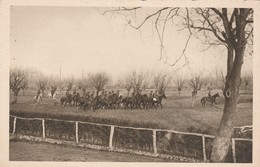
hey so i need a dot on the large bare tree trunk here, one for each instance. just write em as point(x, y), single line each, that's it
point(222, 140)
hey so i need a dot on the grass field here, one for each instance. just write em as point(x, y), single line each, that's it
point(34, 152)
point(177, 113)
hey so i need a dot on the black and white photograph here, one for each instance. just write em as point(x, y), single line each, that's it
point(168, 84)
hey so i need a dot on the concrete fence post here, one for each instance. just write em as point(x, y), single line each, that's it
point(111, 137)
point(233, 145)
point(77, 132)
point(43, 128)
point(14, 125)
point(154, 142)
point(204, 148)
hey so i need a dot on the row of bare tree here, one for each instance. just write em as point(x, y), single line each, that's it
point(23, 78)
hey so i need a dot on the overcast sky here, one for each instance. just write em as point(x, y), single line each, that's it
point(81, 38)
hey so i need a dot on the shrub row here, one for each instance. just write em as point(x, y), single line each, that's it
point(60, 130)
point(133, 139)
point(180, 144)
point(93, 134)
point(29, 127)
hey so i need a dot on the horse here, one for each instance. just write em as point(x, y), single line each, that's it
point(211, 99)
point(66, 99)
point(75, 99)
point(94, 104)
point(127, 102)
point(109, 102)
point(144, 101)
point(158, 100)
point(84, 103)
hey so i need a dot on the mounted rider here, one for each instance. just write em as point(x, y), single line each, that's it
point(151, 94)
point(67, 93)
point(105, 95)
point(102, 96)
point(209, 94)
point(92, 96)
point(74, 92)
point(155, 95)
point(87, 95)
point(109, 94)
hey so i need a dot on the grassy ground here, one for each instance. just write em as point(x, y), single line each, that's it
point(48, 152)
point(176, 114)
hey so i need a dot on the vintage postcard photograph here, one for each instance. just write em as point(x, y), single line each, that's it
point(164, 84)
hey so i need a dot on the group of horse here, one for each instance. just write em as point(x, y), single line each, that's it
point(114, 101)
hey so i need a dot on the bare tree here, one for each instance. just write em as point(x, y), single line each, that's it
point(69, 81)
point(231, 28)
point(140, 81)
point(179, 83)
point(99, 81)
point(126, 83)
point(161, 81)
point(41, 81)
point(53, 82)
point(220, 79)
point(196, 84)
point(25, 84)
point(18, 78)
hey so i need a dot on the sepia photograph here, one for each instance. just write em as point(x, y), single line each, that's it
point(131, 84)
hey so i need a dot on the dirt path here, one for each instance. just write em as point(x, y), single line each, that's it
point(29, 151)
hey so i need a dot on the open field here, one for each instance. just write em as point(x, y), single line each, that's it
point(177, 113)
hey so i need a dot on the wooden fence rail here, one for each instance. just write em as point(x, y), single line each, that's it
point(112, 129)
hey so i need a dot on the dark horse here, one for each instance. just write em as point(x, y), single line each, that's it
point(66, 100)
point(158, 101)
point(211, 99)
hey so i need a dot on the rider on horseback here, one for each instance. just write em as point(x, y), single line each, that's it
point(155, 95)
point(105, 95)
point(87, 95)
point(102, 96)
point(92, 96)
point(74, 92)
point(151, 94)
point(67, 93)
point(209, 94)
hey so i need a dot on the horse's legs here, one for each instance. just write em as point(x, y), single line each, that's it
point(204, 103)
point(154, 106)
